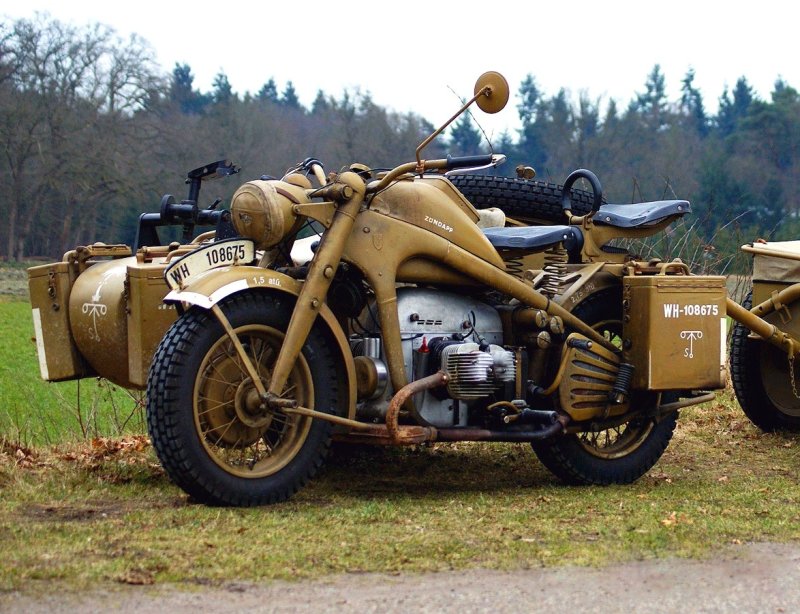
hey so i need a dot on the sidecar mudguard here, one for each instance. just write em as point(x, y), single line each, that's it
point(210, 287)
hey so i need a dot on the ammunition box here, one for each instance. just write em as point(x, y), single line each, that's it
point(674, 331)
point(50, 286)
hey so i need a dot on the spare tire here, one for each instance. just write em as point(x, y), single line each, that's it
point(526, 200)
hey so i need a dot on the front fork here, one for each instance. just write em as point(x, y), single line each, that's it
point(349, 190)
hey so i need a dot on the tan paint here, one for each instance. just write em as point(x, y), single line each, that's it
point(673, 331)
point(50, 287)
point(210, 289)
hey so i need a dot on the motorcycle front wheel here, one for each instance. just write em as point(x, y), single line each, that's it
point(204, 414)
point(619, 454)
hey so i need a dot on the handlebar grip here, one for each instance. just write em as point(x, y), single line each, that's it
point(468, 161)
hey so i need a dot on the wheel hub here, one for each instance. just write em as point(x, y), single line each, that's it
point(250, 409)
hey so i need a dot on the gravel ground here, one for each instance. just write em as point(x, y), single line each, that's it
point(749, 578)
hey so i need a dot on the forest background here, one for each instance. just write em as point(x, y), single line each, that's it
point(93, 133)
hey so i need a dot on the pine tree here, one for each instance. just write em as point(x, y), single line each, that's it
point(320, 104)
point(733, 110)
point(530, 95)
point(182, 92)
point(289, 97)
point(612, 115)
point(223, 92)
point(465, 140)
point(692, 104)
point(531, 145)
point(268, 91)
point(653, 102)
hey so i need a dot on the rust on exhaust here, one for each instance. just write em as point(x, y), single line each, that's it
point(378, 435)
point(440, 378)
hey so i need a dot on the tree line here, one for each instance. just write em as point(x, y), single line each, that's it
point(93, 132)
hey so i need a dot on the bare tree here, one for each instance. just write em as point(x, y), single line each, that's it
point(67, 98)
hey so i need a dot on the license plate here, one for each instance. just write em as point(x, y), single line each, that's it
point(211, 256)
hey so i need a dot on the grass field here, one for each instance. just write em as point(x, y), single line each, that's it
point(83, 500)
point(37, 413)
point(34, 412)
point(105, 512)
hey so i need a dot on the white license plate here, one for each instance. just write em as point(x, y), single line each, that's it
point(211, 256)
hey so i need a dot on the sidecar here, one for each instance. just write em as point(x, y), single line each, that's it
point(765, 376)
point(100, 311)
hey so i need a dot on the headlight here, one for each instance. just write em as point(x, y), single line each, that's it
point(262, 211)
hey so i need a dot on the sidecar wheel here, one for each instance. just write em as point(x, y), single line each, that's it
point(203, 413)
point(526, 200)
point(760, 374)
point(620, 454)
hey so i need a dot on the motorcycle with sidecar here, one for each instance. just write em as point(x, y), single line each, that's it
point(418, 319)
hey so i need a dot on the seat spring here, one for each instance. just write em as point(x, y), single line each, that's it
point(555, 269)
point(514, 267)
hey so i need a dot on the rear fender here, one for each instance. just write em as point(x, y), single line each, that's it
point(212, 286)
point(591, 278)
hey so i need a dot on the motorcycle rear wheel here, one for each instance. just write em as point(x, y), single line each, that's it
point(760, 375)
point(525, 200)
point(203, 410)
point(619, 454)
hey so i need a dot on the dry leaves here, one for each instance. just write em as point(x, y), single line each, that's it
point(675, 519)
point(106, 448)
point(19, 455)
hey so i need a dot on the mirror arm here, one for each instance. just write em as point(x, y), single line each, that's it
point(485, 91)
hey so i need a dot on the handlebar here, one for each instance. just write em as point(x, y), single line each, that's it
point(468, 161)
point(446, 164)
point(314, 166)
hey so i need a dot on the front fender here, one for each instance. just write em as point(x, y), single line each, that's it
point(211, 287)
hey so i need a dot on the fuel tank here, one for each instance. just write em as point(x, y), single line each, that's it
point(434, 204)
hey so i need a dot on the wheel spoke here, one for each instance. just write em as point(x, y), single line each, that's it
point(225, 432)
point(288, 390)
point(221, 406)
point(207, 400)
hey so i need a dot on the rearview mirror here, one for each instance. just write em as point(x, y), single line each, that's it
point(493, 90)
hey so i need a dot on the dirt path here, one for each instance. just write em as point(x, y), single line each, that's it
point(752, 578)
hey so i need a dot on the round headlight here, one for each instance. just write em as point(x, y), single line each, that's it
point(263, 211)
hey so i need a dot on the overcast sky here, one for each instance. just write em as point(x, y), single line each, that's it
point(410, 55)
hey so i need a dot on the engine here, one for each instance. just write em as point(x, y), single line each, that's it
point(440, 331)
point(474, 372)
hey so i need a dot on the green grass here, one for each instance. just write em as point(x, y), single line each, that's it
point(105, 512)
point(34, 412)
point(78, 509)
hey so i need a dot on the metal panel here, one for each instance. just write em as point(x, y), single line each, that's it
point(673, 331)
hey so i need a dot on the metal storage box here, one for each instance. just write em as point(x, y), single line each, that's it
point(50, 286)
point(674, 331)
point(148, 317)
point(108, 316)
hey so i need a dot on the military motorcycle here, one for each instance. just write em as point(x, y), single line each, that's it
point(412, 324)
point(418, 319)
